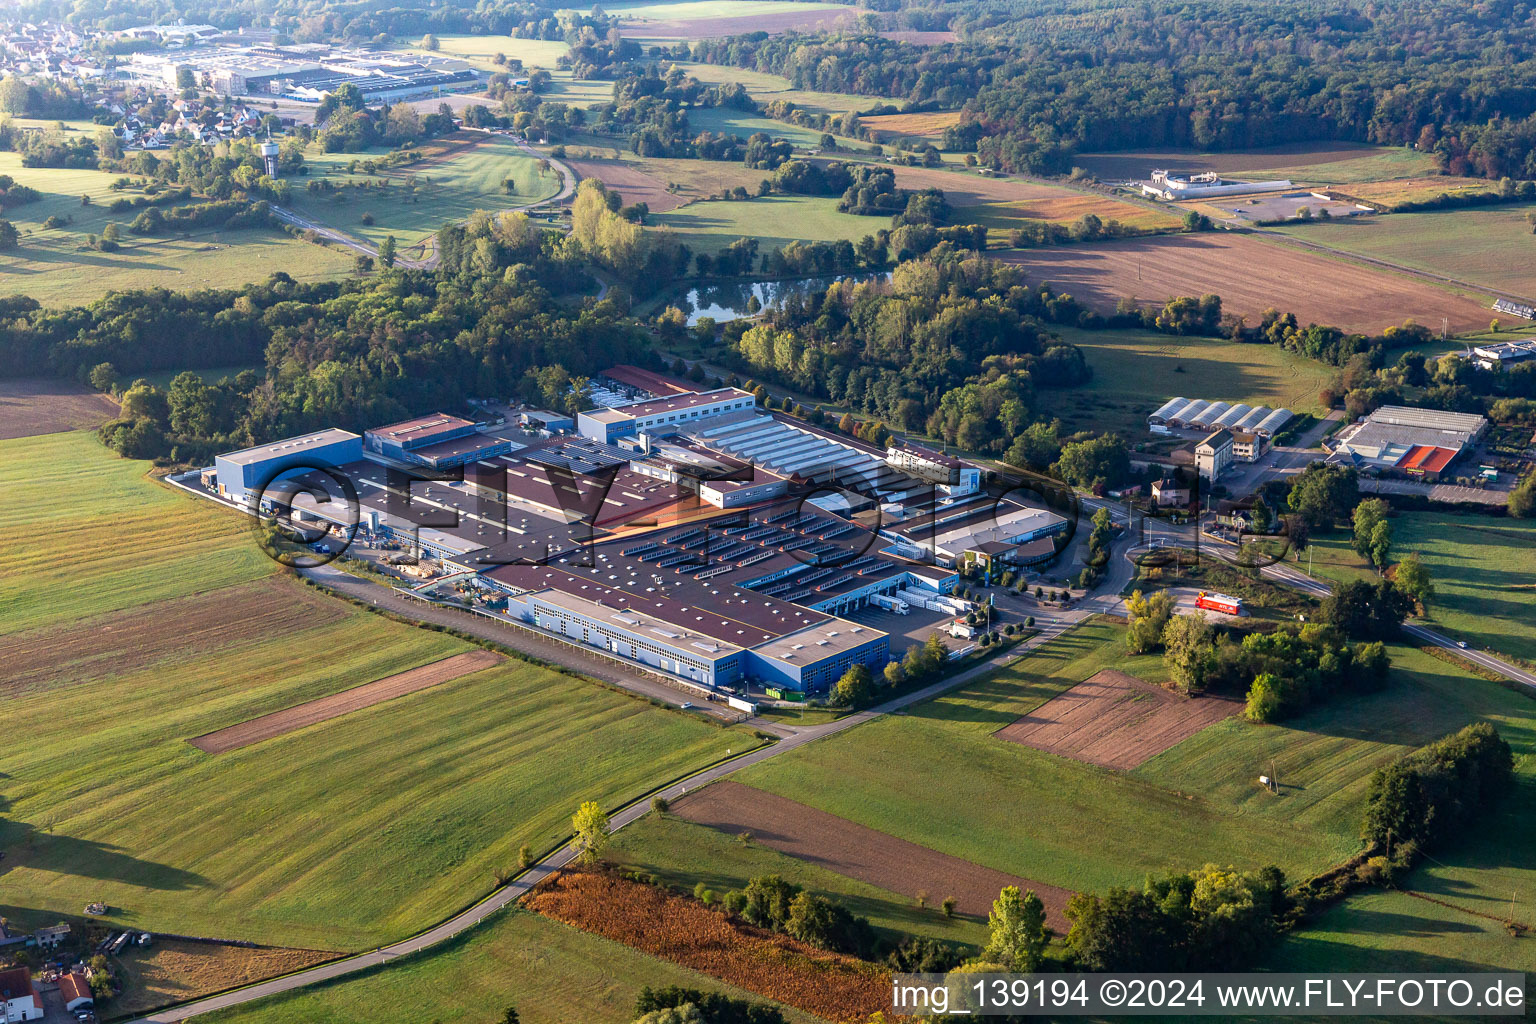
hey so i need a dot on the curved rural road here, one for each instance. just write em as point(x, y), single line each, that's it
point(1285, 575)
point(568, 181)
point(1050, 628)
point(1108, 600)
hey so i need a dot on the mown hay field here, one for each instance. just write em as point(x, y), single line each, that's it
point(1134, 372)
point(1327, 162)
point(1492, 246)
point(340, 835)
point(421, 197)
point(937, 776)
point(1392, 193)
point(1068, 208)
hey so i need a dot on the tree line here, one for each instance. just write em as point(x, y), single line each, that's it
point(1038, 85)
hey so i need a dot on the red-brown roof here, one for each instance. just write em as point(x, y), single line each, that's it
point(1426, 458)
point(645, 380)
point(16, 983)
point(74, 986)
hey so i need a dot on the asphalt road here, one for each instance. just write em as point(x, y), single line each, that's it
point(1107, 600)
point(1050, 628)
point(568, 180)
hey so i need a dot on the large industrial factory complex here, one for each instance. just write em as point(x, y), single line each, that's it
point(686, 532)
point(1415, 442)
point(303, 71)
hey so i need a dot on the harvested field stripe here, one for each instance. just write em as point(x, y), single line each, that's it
point(855, 851)
point(326, 708)
point(1115, 720)
point(1251, 275)
point(32, 407)
point(225, 620)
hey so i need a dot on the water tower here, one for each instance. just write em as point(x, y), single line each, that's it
point(269, 150)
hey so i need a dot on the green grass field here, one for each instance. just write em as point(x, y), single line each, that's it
point(684, 854)
point(77, 559)
point(765, 87)
point(1384, 165)
point(1134, 372)
point(337, 836)
point(534, 53)
point(936, 776)
point(446, 191)
point(552, 973)
point(1484, 571)
point(55, 266)
point(774, 220)
point(1491, 247)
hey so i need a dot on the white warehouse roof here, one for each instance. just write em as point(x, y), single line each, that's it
point(1275, 421)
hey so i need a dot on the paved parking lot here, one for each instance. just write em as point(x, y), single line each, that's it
point(912, 628)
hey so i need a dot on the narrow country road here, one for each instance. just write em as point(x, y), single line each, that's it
point(1107, 601)
point(1050, 627)
point(568, 181)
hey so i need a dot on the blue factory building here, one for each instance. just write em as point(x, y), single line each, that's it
point(240, 476)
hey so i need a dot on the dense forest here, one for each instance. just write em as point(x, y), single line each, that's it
point(1038, 85)
point(954, 344)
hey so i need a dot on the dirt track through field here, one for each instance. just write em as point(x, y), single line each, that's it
point(1250, 275)
point(851, 849)
point(29, 407)
point(1115, 720)
point(185, 627)
point(337, 704)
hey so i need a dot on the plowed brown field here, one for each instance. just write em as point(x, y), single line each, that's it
point(126, 641)
point(685, 931)
point(858, 852)
point(1115, 720)
point(347, 701)
point(630, 182)
point(1250, 275)
point(30, 407)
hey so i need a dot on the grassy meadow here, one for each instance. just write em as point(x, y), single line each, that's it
point(936, 776)
point(423, 196)
point(552, 973)
point(775, 221)
point(685, 854)
point(1492, 247)
point(1002, 218)
point(1484, 571)
point(55, 266)
point(1134, 372)
point(337, 836)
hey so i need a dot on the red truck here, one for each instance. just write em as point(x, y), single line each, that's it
point(1219, 603)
